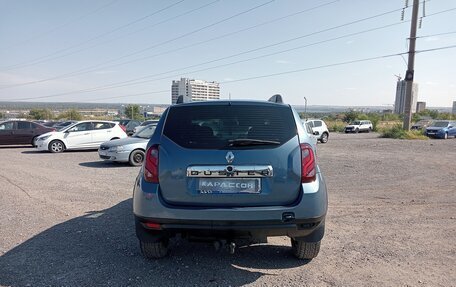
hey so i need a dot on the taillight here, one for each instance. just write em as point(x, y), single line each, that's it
point(308, 164)
point(151, 165)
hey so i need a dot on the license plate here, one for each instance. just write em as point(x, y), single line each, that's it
point(229, 185)
point(103, 153)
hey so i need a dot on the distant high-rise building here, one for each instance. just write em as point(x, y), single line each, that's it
point(194, 90)
point(454, 108)
point(399, 106)
point(420, 106)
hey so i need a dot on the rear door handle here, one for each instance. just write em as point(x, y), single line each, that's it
point(87, 134)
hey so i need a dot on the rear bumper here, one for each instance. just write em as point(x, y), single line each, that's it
point(310, 230)
point(300, 219)
point(122, 156)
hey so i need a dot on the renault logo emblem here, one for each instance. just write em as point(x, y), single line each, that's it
point(229, 157)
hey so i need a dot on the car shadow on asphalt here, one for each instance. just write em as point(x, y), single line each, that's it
point(35, 151)
point(100, 248)
point(104, 164)
point(15, 146)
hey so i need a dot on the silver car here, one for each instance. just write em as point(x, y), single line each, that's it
point(130, 149)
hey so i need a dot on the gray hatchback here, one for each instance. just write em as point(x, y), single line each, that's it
point(232, 173)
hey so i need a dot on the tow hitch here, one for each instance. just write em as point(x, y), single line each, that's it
point(230, 245)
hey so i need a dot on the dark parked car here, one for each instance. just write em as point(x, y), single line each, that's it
point(129, 126)
point(231, 173)
point(21, 132)
point(61, 125)
point(420, 125)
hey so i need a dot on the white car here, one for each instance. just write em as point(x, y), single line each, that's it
point(80, 135)
point(319, 128)
point(143, 125)
point(359, 126)
point(131, 149)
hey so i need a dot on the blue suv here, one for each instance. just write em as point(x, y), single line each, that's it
point(441, 129)
point(232, 173)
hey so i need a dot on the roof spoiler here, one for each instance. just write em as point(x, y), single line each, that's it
point(276, 99)
point(180, 100)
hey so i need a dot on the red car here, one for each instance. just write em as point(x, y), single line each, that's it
point(21, 132)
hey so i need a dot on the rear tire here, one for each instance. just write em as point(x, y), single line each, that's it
point(154, 250)
point(305, 250)
point(33, 141)
point(56, 146)
point(136, 157)
point(324, 138)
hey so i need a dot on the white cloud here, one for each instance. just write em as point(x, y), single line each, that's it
point(282, 62)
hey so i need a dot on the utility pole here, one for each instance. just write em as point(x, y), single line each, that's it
point(305, 108)
point(410, 67)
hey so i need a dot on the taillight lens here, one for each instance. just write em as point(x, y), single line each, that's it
point(308, 164)
point(151, 165)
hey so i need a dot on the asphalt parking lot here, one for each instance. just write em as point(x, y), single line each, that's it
point(66, 220)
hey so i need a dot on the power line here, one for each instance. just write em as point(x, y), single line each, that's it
point(122, 84)
point(336, 64)
point(438, 34)
point(113, 84)
point(77, 19)
point(128, 34)
point(290, 72)
point(135, 82)
point(44, 58)
point(298, 70)
point(183, 35)
point(85, 70)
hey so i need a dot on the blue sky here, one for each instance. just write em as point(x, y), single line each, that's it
point(73, 51)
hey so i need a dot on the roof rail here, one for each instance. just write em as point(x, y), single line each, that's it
point(276, 99)
point(180, 100)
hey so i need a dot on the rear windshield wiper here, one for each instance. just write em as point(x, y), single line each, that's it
point(251, 142)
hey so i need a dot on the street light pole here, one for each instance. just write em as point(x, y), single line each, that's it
point(305, 108)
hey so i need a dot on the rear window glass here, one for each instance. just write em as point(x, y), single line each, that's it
point(102, 126)
point(214, 127)
point(317, 124)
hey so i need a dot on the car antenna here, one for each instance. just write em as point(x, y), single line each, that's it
point(276, 99)
point(180, 100)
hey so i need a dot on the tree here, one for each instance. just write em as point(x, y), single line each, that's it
point(132, 112)
point(41, 114)
point(351, 116)
point(72, 114)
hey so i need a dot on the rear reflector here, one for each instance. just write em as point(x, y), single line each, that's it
point(151, 165)
point(308, 164)
point(152, 225)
